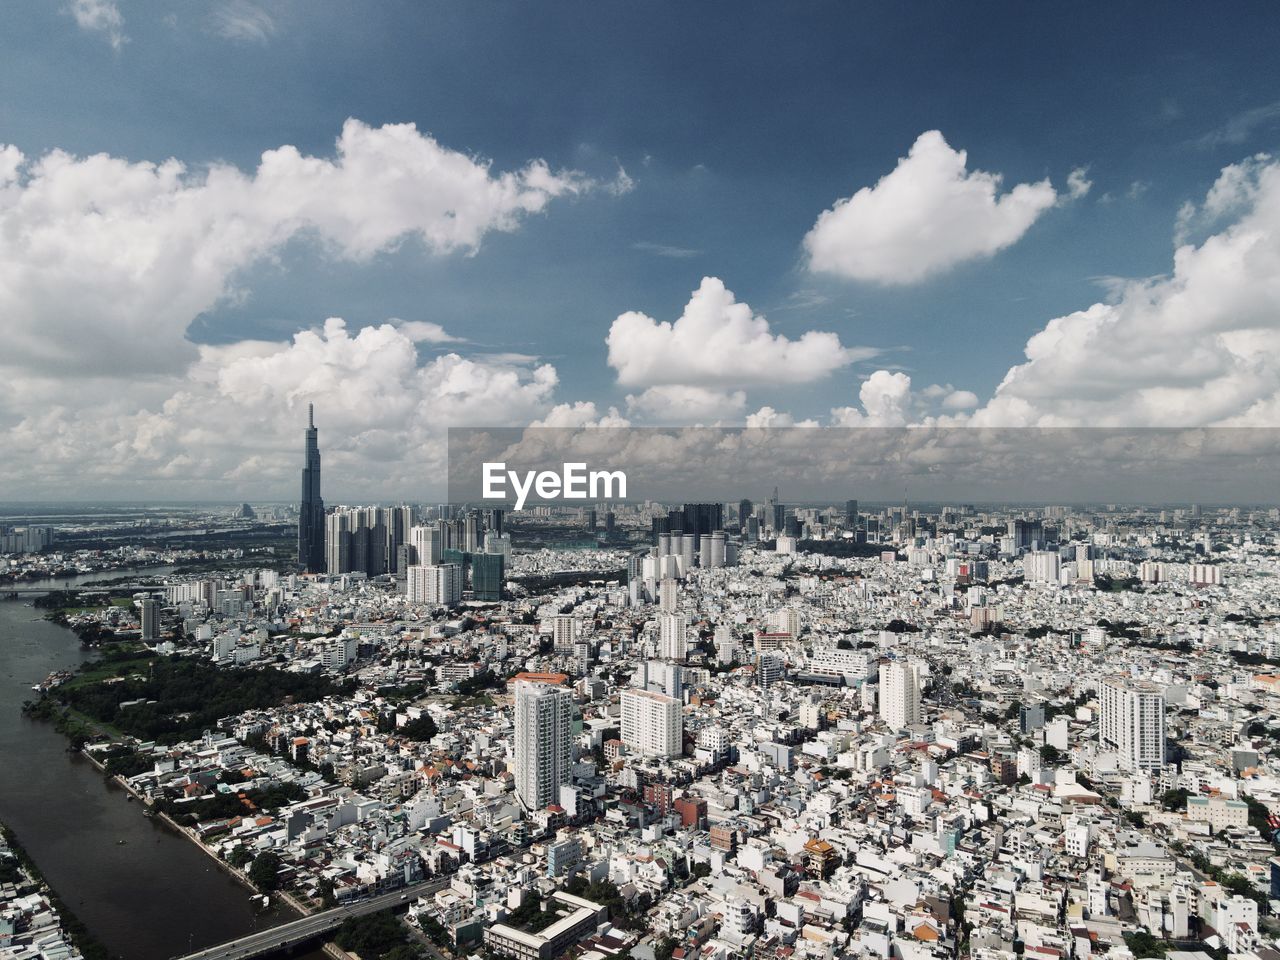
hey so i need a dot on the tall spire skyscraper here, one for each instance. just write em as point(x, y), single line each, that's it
point(311, 510)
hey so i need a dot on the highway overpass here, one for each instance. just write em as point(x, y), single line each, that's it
point(294, 932)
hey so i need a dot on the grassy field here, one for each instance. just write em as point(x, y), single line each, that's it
point(75, 609)
point(108, 670)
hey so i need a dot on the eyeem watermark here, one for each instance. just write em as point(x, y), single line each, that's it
point(573, 482)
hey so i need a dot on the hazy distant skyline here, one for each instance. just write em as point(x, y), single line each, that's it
point(842, 214)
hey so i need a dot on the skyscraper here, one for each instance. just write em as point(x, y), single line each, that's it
point(311, 511)
point(544, 725)
point(148, 615)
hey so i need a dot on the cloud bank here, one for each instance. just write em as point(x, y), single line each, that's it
point(105, 262)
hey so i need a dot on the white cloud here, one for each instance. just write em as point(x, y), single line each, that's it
point(581, 414)
point(1078, 183)
point(100, 16)
point(960, 400)
point(222, 428)
point(924, 218)
point(886, 402)
point(423, 331)
point(242, 20)
point(104, 263)
point(1198, 347)
point(767, 418)
point(718, 342)
point(675, 403)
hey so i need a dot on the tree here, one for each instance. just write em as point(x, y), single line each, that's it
point(265, 872)
point(1174, 799)
point(239, 856)
point(423, 728)
point(1050, 754)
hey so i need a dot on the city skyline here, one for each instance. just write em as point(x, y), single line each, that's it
point(597, 480)
point(940, 254)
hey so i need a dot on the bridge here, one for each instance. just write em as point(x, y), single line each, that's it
point(17, 592)
point(294, 932)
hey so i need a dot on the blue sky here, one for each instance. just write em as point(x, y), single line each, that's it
point(737, 124)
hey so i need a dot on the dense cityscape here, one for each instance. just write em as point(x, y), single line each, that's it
point(711, 730)
point(639, 481)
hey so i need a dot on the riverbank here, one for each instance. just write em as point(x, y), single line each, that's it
point(329, 948)
point(281, 896)
point(136, 897)
point(72, 930)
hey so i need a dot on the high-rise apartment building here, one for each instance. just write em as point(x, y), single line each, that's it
point(1132, 723)
point(425, 541)
point(652, 723)
point(544, 726)
point(438, 584)
point(672, 641)
point(564, 633)
point(668, 595)
point(311, 552)
point(900, 695)
point(487, 576)
point(148, 614)
point(1041, 566)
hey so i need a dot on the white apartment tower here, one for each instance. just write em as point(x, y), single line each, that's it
point(900, 694)
point(668, 595)
point(672, 641)
point(436, 584)
point(544, 718)
point(652, 723)
point(426, 544)
point(1132, 723)
point(1041, 566)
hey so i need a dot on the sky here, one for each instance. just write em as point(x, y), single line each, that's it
point(429, 215)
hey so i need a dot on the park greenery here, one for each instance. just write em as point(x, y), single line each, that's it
point(169, 699)
point(377, 936)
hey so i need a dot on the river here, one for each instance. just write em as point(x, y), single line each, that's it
point(152, 897)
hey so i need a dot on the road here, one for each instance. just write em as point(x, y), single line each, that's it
point(296, 931)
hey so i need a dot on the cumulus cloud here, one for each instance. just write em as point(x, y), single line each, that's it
point(888, 400)
point(581, 414)
point(1200, 346)
point(960, 400)
point(222, 428)
point(105, 262)
point(767, 418)
point(719, 342)
point(677, 403)
point(928, 215)
point(100, 16)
